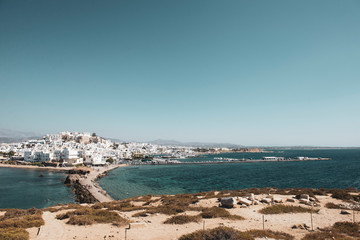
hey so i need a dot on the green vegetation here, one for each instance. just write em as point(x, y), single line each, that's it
point(183, 219)
point(281, 208)
point(226, 233)
point(110, 160)
point(216, 212)
point(340, 230)
point(89, 216)
point(13, 234)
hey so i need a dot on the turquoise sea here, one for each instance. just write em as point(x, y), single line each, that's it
point(341, 172)
point(23, 188)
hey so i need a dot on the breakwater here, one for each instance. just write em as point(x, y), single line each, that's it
point(84, 183)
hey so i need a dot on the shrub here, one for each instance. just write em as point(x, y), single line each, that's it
point(326, 235)
point(11, 213)
point(281, 208)
point(60, 207)
point(226, 233)
point(340, 194)
point(13, 234)
point(88, 216)
point(219, 233)
point(331, 205)
point(340, 230)
point(141, 214)
point(182, 200)
point(19, 218)
point(124, 206)
point(349, 228)
point(269, 234)
point(216, 212)
point(182, 219)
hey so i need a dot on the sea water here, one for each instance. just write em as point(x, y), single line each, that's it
point(27, 188)
point(341, 172)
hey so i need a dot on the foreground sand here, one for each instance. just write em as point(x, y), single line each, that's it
point(152, 227)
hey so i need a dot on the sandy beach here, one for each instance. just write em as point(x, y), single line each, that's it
point(62, 169)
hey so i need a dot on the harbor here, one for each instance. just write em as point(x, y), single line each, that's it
point(224, 160)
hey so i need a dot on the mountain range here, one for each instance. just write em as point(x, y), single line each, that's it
point(9, 136)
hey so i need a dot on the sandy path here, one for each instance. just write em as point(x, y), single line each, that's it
point(53, 229)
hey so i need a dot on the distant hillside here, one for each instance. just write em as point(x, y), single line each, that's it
point(194, 144)
point(9, 136)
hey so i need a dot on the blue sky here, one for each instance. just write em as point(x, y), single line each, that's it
point(246, 72)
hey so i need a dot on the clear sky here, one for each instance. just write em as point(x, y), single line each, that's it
point(247, 72)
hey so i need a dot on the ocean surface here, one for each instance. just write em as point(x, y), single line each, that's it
point(341, 172)
point(23, 188)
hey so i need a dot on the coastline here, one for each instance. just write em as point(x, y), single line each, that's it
point(60, 169)
point(86, 186)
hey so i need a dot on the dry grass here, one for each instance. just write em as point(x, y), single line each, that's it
point(89, 216)
point(269, 234)
point(183, 219)
point(60, 207)
point(344, 194)
point(183, 200)
point(216, 212)
point(123, 206)
point(13, 234)
point(226, 233)
point(331, 205)
point(340, 230)
point(19, 218)
point(167, 210)
point(219, 233)
point(281, 208)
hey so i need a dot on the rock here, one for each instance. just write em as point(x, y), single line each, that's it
point(251, 197)
point(305, 196)
point(344, 212)
point(266, 200)
point(277, 200)
point(290, 200)
point(228, 202)
point(244, 201)
point(304, 201)
point(312, 199)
